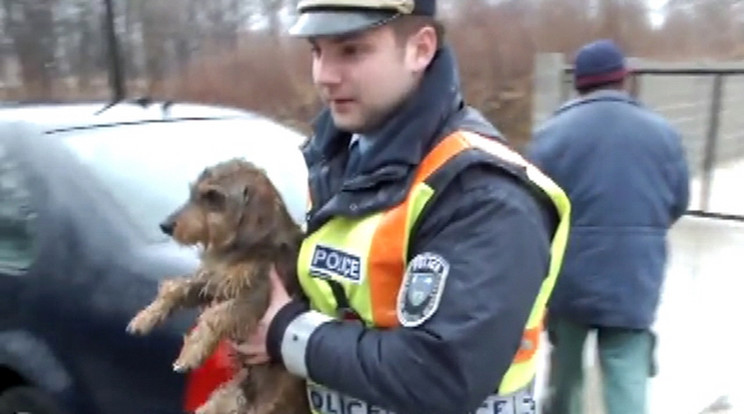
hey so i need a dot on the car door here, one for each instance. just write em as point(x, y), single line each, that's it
point(28, 349)
point(18, 228)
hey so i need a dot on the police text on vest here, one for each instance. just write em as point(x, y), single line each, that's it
point(324, 401)
point(328, 262)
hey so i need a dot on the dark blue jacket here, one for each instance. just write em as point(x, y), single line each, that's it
point(624, 169)
point(491, 228)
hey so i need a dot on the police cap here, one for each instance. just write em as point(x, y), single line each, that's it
point(339, 17)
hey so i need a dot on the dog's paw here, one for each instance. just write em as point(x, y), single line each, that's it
point(195, 350)
point(143, 323)
point(188, 359)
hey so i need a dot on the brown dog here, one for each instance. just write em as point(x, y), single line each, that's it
point(237, 216)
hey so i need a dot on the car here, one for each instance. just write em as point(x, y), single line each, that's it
point(83, 188)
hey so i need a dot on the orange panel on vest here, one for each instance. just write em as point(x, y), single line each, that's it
point(387, 261)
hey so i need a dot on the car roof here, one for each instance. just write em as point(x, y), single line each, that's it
point(282, 159)
point(54, 116)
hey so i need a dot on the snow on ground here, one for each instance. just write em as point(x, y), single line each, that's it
point(700, 348)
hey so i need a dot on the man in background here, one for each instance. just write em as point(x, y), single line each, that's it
point(624, 170)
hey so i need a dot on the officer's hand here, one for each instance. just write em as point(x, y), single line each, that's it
point(254, 347)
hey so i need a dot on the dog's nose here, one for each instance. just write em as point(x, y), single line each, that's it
point(167, 227)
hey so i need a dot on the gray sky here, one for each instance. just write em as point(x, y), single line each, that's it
point(655, 6)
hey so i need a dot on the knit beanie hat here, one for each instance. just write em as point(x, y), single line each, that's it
point(598, 63)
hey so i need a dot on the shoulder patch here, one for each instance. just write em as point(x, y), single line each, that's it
point(421, 291)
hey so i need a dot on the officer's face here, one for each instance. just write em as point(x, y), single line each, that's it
point(364, 77)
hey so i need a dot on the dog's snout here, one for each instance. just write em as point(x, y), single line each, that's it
point(167, 227)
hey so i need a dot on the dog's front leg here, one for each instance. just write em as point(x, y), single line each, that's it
point(217, 322)
point(173, 294)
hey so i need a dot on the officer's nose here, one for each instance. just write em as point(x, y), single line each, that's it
point(167, 227)
point(326, 72)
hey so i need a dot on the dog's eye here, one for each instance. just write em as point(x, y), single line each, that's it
point(213, 197)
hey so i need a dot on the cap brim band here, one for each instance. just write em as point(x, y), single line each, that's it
point(618, 75)
point(401, 6)
point(328, 23)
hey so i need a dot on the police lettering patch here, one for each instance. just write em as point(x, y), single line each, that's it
point(422, 289)
point(328, 262)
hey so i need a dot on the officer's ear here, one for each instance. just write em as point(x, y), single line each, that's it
point(422, 46)
point(418, 37)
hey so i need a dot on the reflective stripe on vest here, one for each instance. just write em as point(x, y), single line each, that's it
point(367, 256)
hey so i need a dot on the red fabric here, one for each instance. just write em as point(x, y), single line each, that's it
point(200, 383)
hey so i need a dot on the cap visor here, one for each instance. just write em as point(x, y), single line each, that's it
point(328, 23)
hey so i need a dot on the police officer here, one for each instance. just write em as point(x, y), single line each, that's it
point(431, 247)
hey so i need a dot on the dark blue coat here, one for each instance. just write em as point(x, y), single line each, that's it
point(624, 169)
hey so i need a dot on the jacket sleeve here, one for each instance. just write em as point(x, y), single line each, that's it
point(495, 239)
point(681, 183)
point(541, 150)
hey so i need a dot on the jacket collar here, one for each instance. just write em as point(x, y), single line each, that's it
point(403, 139)
point(599, 95)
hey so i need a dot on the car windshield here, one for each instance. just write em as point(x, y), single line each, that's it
point(148, 167)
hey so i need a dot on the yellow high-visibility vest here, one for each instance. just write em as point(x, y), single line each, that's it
point(367, 256)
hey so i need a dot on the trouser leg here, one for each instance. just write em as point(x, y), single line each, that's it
point(625, 357)
point(566, 377)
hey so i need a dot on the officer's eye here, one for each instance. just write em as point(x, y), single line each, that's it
point(350, 50)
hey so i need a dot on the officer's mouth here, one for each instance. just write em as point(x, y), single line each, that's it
point(340, 105)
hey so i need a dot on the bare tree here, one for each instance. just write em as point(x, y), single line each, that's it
point(30, 24)
point(625, 21)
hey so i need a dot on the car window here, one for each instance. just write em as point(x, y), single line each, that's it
point(17, 218)
point(148, 167)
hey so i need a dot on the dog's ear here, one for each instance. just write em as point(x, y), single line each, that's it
point(263, 222)
point(245, 195)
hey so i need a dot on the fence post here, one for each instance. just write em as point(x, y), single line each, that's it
point(711, 142)
point(634, 85)
point(547, 82)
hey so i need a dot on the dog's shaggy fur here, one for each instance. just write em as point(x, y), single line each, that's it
point(237, 216)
